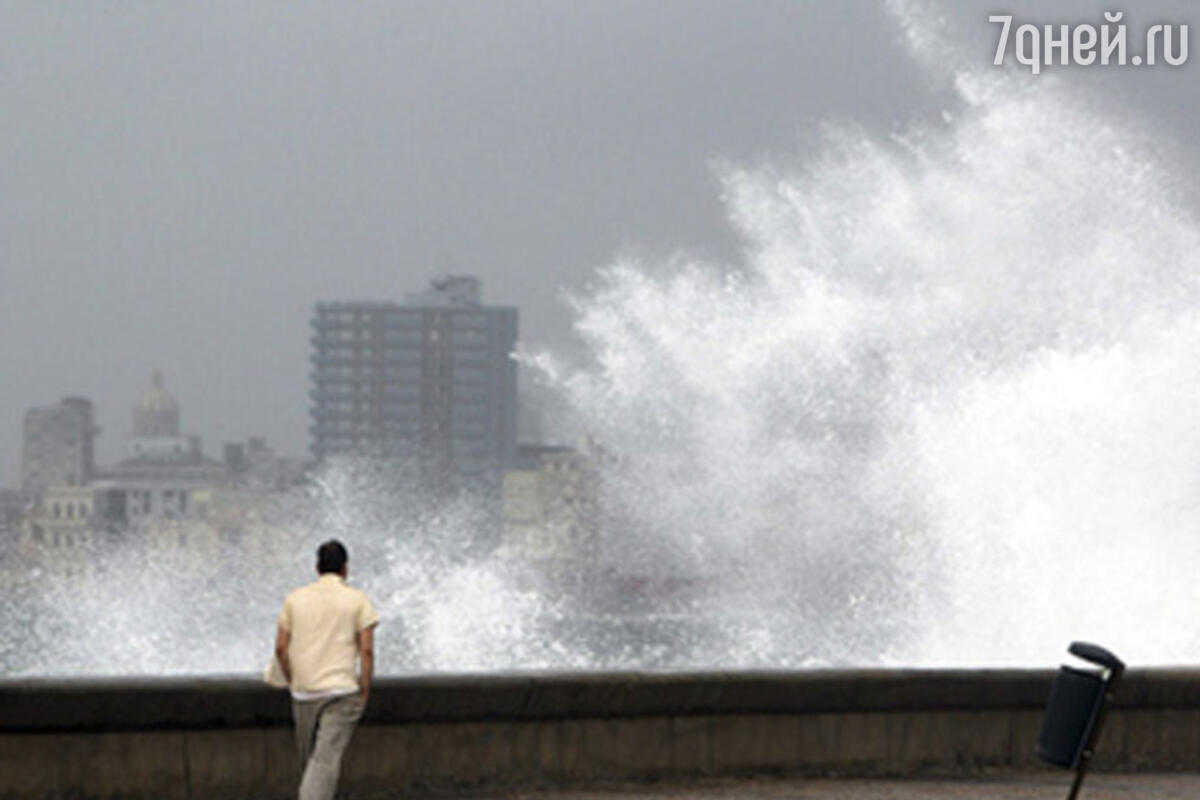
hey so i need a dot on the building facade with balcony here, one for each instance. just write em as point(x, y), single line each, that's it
point(430, 383)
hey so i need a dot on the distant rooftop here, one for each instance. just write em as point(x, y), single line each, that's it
point(450, 290)
point(177, 458)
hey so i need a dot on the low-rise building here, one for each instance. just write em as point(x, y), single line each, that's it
point(12, 503)
point(254, 465)
point(550, 506)
point(58, 532)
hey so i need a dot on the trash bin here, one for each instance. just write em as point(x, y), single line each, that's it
point(1075, 700)
point(1075, 710)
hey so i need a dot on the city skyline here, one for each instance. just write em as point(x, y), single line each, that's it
point(184, 183)
point(436, 307)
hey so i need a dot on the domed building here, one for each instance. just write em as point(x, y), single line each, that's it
point(163, 467)
point(156, 424)
point(157, 412)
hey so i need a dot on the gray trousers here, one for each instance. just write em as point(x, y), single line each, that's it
point(323, 729)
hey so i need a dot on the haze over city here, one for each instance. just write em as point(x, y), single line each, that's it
point(183, 181)
point(671, 390)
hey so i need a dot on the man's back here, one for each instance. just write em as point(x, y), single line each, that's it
point(324, 620)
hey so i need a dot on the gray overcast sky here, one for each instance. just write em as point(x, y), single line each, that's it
point(180, 182)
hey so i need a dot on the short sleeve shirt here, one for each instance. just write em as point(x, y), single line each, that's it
point(324, 619)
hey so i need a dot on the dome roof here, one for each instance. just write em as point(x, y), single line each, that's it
point(156, 412)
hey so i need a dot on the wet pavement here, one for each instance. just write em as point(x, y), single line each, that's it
point(1039, 786)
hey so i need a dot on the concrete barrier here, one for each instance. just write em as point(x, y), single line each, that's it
point(231, 737)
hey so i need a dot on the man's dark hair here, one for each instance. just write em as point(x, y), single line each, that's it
point(331, 557)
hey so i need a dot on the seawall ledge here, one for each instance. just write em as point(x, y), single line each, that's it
point(230, 736)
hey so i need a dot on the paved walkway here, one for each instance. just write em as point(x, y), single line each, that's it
point(1042, 786)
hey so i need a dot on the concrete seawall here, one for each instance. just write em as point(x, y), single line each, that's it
point(212, 738)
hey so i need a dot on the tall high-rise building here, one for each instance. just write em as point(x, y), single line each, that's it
point(59, 445)
point(430, 382)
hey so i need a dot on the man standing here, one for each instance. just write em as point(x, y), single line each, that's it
point(324, 629)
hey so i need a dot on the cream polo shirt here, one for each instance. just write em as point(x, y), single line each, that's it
point(324, 619)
